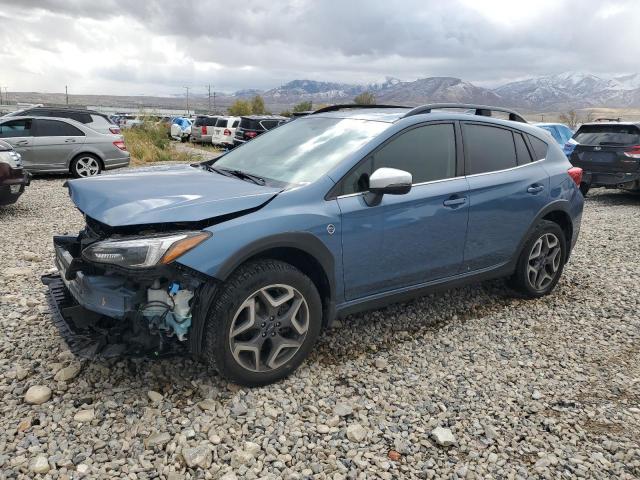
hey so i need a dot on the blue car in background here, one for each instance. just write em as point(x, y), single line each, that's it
point(243, 260)
point(561, 134)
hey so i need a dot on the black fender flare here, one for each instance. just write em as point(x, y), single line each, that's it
point(555, 206)
point(302, 241)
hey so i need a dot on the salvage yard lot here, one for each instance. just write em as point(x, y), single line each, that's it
point(549, 387)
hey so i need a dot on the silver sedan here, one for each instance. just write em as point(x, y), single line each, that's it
point(62, 145)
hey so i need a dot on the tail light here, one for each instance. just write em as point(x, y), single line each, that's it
point(633, 152)
point(114, 130)
point(227, 132)
point(120, 144)
point(204, 129)
point(250, 134)
point(576, 175)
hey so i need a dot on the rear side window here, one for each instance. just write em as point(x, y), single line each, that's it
point(539, 148)
point(77, 116)
point(608, 134)
point(427, 152)
point(16, 128)
point(199, 122)
point(522, 152)
point(55, 128)
point(235, 124)
point(221, 122)
point(488, 149)
point(210, 121)
point(250, 124)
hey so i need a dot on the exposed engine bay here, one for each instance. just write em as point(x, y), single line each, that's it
point(106, 310)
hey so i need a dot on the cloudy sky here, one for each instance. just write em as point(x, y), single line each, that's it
point(157, 47)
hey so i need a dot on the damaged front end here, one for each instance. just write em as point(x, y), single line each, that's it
point(122, 293)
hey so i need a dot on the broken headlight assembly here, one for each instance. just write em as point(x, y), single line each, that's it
point(143, 252)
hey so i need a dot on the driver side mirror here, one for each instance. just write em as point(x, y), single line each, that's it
point(389, 181)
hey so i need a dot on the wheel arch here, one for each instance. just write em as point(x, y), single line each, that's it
point(90, 153)
point(304, 251)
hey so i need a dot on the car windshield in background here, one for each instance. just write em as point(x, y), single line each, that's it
point(301, 151)
point(607, 135)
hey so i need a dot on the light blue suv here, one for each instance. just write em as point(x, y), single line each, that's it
point(243, 260)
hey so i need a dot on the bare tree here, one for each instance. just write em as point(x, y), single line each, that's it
point(365, 98)
point(570, 118)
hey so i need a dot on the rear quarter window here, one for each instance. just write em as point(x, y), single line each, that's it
point(608, 134)
point(539, 148)
point(250, 124)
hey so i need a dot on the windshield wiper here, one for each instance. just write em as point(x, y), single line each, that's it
point(247, 176)
point(237, 173)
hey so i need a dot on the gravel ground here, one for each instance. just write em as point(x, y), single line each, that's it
point(467, 384)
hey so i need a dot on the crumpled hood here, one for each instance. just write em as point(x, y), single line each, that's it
point(165, 195)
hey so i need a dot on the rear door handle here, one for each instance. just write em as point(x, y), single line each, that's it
point(535, 188)
point(22, 142)
point(454, 202)
point(70, 140)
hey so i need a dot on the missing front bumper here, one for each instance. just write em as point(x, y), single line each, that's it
point(93, 336)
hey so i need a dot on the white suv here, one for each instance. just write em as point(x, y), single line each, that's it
point(224, 131)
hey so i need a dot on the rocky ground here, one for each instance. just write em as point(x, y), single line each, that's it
point(468, 384)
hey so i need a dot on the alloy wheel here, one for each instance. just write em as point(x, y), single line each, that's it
point(544, 261)
point(87, 167)
point(269, 328)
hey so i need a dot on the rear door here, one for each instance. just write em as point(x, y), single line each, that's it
point(507, 188)
point(607, 148)
point(54, 143)
point(19, 134)
point(409, 239)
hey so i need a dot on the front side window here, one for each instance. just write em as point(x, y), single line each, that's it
point(16, 128)
point(301, 151)
point(487, 148)
point(428, 153)
point(56, 128)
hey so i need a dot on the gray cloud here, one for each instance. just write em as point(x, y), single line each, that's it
point(164, 45)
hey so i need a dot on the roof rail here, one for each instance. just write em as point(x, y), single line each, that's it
point(482, 110)
point(334, 108)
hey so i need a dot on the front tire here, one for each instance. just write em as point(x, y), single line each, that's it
point(541, 261)
point(263, 323)
point(86, 165)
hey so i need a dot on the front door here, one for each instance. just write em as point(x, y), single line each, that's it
point(408, 239)
point(19, 135)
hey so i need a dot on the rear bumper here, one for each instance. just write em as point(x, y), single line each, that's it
point(609, 179)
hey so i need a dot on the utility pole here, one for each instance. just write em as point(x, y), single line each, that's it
point(209, 89)
point(66, 94)
point(214, 100)
point(542, 118)
point(6, 96)
point(187, 89)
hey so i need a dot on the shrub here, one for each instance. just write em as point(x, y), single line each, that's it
point(150, 143)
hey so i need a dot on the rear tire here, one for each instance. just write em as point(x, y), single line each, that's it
point(85, 165)
point(584, 188)
point(262, 324)
point(541, 261)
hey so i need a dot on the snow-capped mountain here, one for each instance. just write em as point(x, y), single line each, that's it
point(551, 92)
point(571, 90)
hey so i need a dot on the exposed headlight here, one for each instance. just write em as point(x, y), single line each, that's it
point(144, 252)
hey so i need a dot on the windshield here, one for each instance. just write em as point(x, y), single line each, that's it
point(608, 135)
point(301, 151)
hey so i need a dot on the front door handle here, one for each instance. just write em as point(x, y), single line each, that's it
point(535, 188)
point(454, 202)
point(22, 142)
